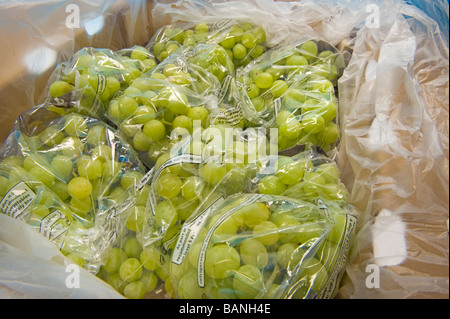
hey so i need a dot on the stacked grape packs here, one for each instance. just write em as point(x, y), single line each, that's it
point(292, 88)
point(243, 41)
point(91, 77)
point(75, 178)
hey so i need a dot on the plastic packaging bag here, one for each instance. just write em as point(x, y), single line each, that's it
point(294, 88)
point(70, 177)
point(260, 246)
point(242, 41)
point(90, 79)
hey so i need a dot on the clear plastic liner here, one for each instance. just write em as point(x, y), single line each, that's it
point(70, 177)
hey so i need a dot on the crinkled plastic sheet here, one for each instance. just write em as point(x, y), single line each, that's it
point(393, 112)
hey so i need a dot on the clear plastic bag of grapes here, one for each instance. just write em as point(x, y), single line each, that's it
point(243, 41)
point(254, 246)
point(293, 87)
point(153, 114)
point(72, 178)
point(91, 77)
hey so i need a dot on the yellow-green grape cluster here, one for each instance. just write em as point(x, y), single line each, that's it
point(297, 86)
point(92, 77)
point(153, 115)
point(243, 42)
point(80, 160)
point(261, 249)
point(133, 270)
point(304, 178)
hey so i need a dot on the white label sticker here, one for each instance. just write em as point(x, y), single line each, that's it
point(52, 230)
point(17, 200)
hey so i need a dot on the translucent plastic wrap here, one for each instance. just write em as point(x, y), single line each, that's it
point(292, 87)
point(90, 79)
point(70, 177)
point(243, 41)
point(260, 246)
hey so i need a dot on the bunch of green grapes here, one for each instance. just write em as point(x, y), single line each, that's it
point(292, 88)
point(153, 115)
point(81, 161)
point(92, 77)
point(243, 41)
point(254, 247)
point(305, 176)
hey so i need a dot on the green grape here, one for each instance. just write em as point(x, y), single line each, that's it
point(41, 174)
point(60, 189)
point(201, 28)
point(140, 53)
point(116, 257)
point(192, 187)
point(296, 60)
point(132, 247)
point(4, 185)
point(89, 168)
point(96, 135)
point(271, 185)
point(130, 270)
point(127, 106)
point(134, 290)
point(221, 260)
point(136, 219)
point(309, 231)
point(71, 146)
point(79, 187)
point(275, 71)
point(165, 215)
point(252, 91)
point(154, 130)
point(249, 40)
point(199, 113)
point(75, 125)
point(226, 230)
point(183, 121)
point(278, 88)
point(257, 51)
point(253, 252)
point(150, 258)
point(285, 255)
point(117, 283)
point(312, 123)
point(327, 55)
point(60, 88)
point(266, 233)
point(248, 282)
point(258, 103)
point(52, 136)
point(309, 50)
point(162, 273)
point(62, 166)
point(213, 173)
point(239, 51)
point(291, 173)
point(13, 160)
point(130, 179)
point(329, 134)
point(81, 206)
point(253, 214)
point(168, 185)
point(168, 286)
point(178, 103)
point(316, 273)
point(141, 142)
point(188, 287)
point(330, 171)
point(150, 280)
point(113, 85)
point(264, 80)
point(260, 35)
point(291, 129)
point(338, 229)
point(228, 43)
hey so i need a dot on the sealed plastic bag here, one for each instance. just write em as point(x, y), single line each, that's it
point(90, 79)
point(293, 88)
point(243, 41)
point(260, 246)
point(70, 177)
